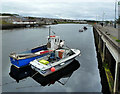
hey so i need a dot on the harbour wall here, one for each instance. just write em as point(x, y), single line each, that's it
point(108, 53)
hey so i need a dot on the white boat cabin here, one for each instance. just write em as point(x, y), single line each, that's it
point(54, 42)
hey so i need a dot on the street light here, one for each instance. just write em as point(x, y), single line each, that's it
point(115, 13)
point(119, 9)
point(103, 16)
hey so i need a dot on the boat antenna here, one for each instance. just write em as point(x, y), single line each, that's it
point(53, 32)
point(49, 31)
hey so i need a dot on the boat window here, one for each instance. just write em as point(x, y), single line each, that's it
point(55, 40)
point(48, 39)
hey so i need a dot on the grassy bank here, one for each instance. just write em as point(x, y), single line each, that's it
point(4, 22)
point(69, 22)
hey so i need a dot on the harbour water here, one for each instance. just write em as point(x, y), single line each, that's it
point(86, 78)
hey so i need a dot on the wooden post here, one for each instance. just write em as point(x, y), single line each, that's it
point(99, 43)
point(49, 31)
point(103, 58)
point(115, 90)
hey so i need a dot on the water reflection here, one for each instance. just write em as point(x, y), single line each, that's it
point(61, 76)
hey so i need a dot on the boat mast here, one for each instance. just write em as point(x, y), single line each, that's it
point(49, 31)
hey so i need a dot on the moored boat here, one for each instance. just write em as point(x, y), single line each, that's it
point(85, 28)
point(23, 59)
point(54, 61)
point(81, 30)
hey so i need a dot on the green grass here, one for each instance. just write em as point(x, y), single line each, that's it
point(109, 76)
point(117, 40)
point(68, 22)
point(4, 22)
point(105, 65)
point(113, 37)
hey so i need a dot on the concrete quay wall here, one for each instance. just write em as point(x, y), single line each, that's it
point(109, 53)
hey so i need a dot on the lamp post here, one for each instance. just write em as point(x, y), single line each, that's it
point(96, 18)
point(115, 13)
point(119, 9)
point(103, 16)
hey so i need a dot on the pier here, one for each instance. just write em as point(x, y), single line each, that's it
point(108, 46)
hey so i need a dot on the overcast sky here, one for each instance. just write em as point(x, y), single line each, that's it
point(71, 9)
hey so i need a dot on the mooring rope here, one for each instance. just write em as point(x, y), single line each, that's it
point(34, 74)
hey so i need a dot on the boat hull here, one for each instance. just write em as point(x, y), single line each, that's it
point(48, 71)
point(25, 61)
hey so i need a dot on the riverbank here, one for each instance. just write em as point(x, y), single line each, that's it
point(11, 26)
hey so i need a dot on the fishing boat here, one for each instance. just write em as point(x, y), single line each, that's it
point(23, 59)
point(56, 59)
point(81, 30)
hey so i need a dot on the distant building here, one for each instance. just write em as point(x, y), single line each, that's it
point(10, 19)
point(6, 18)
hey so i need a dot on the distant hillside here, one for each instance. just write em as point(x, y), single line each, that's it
point(8, 14)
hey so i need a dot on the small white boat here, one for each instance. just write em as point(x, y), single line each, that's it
point(47, 64)
point(81, 30)
point(57, 58)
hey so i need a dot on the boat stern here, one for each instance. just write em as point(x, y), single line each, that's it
point(20, 62)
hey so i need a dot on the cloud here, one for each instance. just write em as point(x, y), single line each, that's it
point(74, 9)
point(58, 1)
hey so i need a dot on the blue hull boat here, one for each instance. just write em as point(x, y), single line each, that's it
point(22, 59)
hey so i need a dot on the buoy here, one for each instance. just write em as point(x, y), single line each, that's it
point(52, 69)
